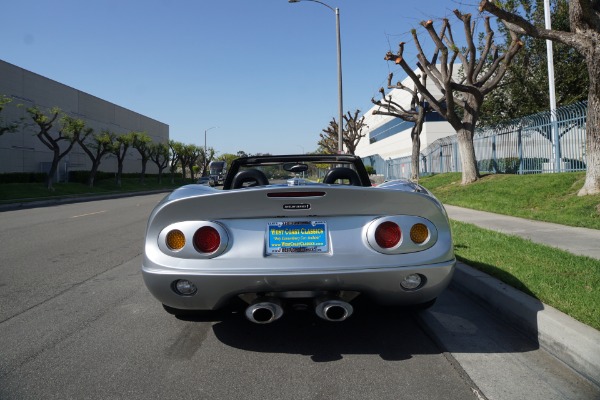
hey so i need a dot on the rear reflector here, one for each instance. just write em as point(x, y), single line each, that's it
point(184, 287)
point(296, 194)
point(412, 282)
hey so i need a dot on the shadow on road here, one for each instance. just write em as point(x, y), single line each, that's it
point(392, 335)
point(455, 324)
point(479, 305)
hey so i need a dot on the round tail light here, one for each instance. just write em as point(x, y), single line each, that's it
point(388, 235)
point(419, 233)
point(207, 239)
point(175, 240)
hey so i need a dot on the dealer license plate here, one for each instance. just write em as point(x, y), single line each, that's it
point(297, 237)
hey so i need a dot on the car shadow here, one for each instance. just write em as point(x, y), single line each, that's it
point(478, 313)
point(456, 323)
point(393, 335)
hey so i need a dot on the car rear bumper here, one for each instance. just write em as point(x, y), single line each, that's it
point(379, 284)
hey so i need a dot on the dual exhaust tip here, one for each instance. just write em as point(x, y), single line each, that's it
point(264, 311)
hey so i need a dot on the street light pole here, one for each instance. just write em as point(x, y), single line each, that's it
point(206, 130)
point(551, 87)
point(339, 70)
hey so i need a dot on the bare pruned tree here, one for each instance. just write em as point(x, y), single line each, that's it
point(584, 36)
point(415, 113)
point(353, 131)
point(462, 93)
point(328, 142)
point(352, 134)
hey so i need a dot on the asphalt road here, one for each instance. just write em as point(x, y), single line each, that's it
point(76, 322)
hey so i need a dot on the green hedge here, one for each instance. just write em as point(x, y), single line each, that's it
point(510, 165)
point(370, 170)
point(74, 176)
point(23, 177)
point(82, 176)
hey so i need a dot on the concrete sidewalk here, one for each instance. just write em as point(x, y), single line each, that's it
point(580, 241)
point(572, 342)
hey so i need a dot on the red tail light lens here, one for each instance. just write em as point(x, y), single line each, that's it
point(388, 235)
point(207, 239)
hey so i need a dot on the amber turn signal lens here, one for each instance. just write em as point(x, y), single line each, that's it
point(175, 239)
point(419, 233)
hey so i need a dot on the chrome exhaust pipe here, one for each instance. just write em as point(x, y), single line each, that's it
point(264, 311)
point(334, 310)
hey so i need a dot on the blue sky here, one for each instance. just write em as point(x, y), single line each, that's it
point(263, 72)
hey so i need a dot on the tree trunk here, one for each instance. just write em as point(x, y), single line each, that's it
point(93, 171)
point(470, 172)
point(119, 172)
point(416, 152)
point(160, 174)
point(143, 174)
point(592, 136)
point(52, 172)
point(183, 171)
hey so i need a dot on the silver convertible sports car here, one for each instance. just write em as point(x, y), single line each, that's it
point(293, 232)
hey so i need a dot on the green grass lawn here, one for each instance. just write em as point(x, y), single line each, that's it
point(543, 197)
point(565, 281)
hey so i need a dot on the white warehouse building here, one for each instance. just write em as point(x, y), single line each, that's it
point(388, 138)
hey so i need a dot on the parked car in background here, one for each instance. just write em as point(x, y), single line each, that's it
point(273, 241)
point(217, 169)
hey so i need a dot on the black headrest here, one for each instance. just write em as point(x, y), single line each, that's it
point(254, 176)
point(342, 173)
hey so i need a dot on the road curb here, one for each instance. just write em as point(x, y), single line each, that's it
point(572, 342)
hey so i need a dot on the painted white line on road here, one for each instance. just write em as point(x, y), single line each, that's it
point(85, 215)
